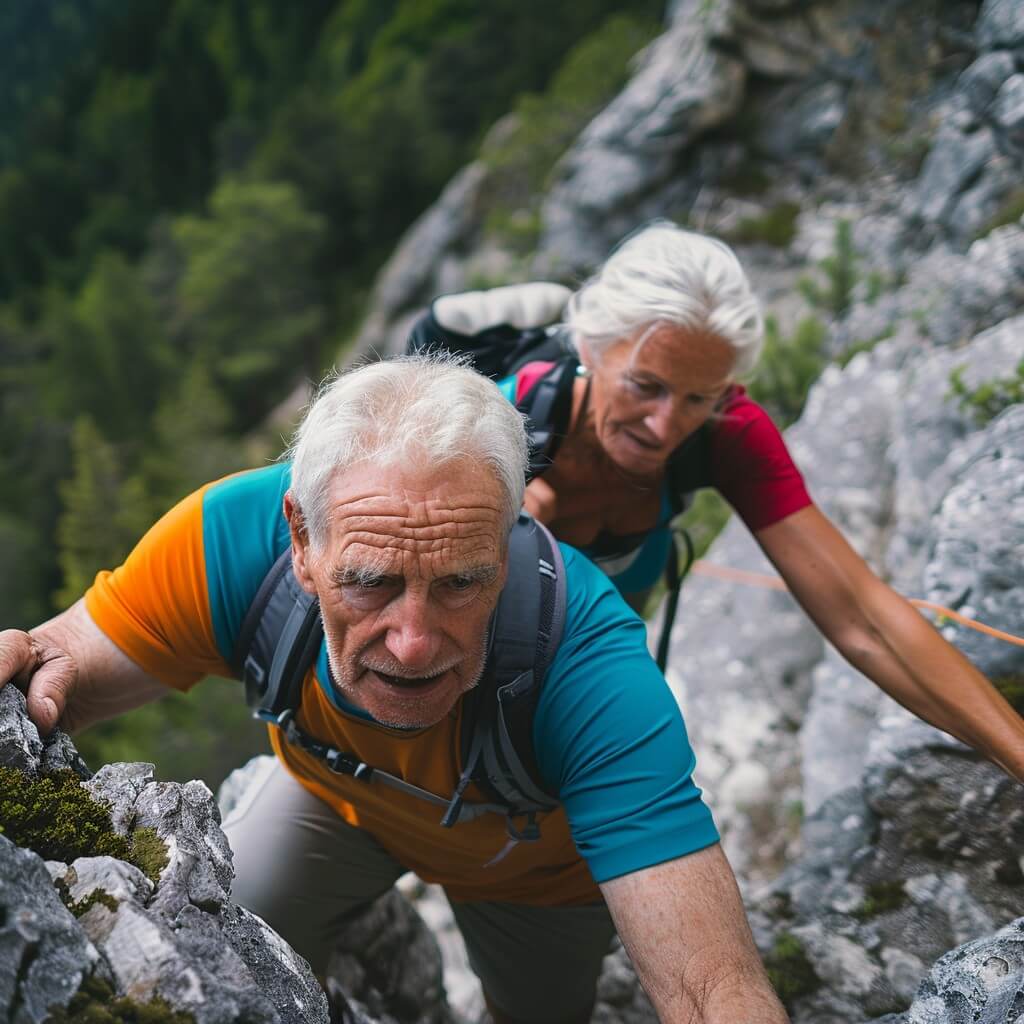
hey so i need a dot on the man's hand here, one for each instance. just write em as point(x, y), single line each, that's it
point(684, 927)
point(46, 674)
point(71, 673)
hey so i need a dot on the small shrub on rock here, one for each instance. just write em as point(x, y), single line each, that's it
point(986, 401)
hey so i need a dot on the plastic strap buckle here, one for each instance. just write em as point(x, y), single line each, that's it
point(345, 764)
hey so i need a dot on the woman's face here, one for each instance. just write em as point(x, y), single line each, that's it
point(647, 398)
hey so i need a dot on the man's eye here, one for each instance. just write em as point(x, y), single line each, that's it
point(461, 583)
point(698, 399)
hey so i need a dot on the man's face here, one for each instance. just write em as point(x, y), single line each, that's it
point(411, 569)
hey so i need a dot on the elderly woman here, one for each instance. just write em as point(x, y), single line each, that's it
point(634, 405)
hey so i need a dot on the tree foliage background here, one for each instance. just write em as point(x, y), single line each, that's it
point(194, 198)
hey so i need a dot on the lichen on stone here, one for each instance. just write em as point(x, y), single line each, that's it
point(96, 1003)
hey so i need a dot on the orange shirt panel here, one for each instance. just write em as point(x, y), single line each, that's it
point(156, 607)
point(547, 872)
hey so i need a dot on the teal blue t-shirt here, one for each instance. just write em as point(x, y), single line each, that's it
point(609, 736)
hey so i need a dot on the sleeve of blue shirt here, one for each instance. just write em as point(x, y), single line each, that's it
point(610, 738)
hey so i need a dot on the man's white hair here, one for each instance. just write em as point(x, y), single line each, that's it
point(422, 410)
point(666, 275)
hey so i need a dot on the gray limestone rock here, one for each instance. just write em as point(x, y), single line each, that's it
point(44, 953)
point(928, 428)
point(389, 963)
point(797, 119)
point(1000, 25)
point(683, 88)
point(620, 997)
point(954, 163)
point(20, 745)
point(984, 78)
point(982, 981)
point(1008, 109)
point(977, 556)
point(178, 937)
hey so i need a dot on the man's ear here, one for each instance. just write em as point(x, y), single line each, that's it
point(300, 544)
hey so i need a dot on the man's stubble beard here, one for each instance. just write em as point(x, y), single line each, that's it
point(345, 681)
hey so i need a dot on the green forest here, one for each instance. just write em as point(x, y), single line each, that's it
point(194, 200)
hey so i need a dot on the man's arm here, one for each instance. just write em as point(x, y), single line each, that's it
point(72, 673)
point(684, 927)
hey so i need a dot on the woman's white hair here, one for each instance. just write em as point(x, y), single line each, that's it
point(414, 410)
point(663, 274)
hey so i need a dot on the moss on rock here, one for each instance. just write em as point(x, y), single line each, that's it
point(56, 817)
point(789, 969)
point(82, 906)
point(95, 1003)
point(149, 853)
point(880, 898)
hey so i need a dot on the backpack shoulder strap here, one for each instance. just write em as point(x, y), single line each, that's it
point(548, 409)
point(279, 639)
point(497, 727)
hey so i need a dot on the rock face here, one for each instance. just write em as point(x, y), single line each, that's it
point(867, 843)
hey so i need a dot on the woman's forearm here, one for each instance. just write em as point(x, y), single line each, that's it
point(889, 641)
point(912, 662)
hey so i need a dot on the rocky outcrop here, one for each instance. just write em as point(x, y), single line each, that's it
point(168, 933)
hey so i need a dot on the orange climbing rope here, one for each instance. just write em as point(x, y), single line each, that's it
point(757, 579)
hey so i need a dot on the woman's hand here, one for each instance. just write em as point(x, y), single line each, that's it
point(888, 640)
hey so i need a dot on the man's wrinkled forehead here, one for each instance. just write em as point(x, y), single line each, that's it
point(448, 520)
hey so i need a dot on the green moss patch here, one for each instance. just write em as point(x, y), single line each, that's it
point(84, 905)
point(95, 1003)
point(789, 969)
point(1009, 213)
point(776, 227)
point(56, 817)
point(149, 853)
point(881, 898)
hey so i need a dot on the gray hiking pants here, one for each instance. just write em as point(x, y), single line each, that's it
point(305, 871)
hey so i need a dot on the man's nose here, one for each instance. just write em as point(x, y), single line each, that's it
point(413, 638)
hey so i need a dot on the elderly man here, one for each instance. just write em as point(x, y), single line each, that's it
point(404, 484)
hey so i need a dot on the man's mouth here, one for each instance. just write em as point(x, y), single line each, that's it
point(409, 682)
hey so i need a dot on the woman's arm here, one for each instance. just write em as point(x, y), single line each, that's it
point(886, 639)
